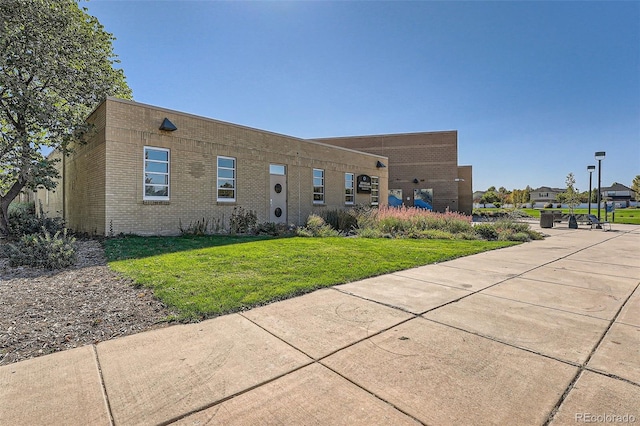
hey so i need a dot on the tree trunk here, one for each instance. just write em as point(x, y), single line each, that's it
point(4, 206)
point(4, 218)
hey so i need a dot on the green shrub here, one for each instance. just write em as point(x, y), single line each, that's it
point(434, 234)
point(506, 230)
point(344, 221)
point(317, 227)
point(368, 232)
point(23, 220)
point(470, 235)
point(273, 229)
point(509, 230)
point(44, 250)
point(506, 234)
point(330, 217)
point(520, 236)
point(242, 221)
point(486, 231)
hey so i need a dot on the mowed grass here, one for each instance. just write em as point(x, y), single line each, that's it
point(207, 276)
point(629, 216)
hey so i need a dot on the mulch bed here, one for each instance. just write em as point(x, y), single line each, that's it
point(42, 312)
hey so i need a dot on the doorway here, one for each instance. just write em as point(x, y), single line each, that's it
point(278, 193)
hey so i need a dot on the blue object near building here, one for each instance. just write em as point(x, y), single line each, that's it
point(394, 201)
point(422, 205)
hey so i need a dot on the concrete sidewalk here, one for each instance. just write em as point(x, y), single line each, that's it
point(544, 332)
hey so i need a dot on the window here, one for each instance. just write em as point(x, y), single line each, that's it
point(277, 169)
point(318, 186)
point(349, 189)
point(156, 173)
point(375, 190)
point(226, 179)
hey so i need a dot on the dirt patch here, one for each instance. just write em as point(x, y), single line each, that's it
point(42, 312)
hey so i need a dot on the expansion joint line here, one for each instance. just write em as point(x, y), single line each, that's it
point(583, 367)
point(105, 394)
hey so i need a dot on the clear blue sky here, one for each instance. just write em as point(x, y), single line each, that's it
point(533, 88)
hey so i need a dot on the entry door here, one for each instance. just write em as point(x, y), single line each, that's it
point(278, 193)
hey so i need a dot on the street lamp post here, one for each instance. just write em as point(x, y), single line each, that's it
point(590, 169)
point(599, 156)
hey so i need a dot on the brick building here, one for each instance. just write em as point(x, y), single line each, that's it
point(421, 165)
point(146, 170)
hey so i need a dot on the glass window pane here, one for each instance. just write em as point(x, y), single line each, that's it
point(318, 173)
point(157, 179)
point(150, 166)
point(318, 182)
point(154, 154)
point(228, 163)
point(226, 183)
point(225, 193)
point(156, 191)
point(318, 189)
point(226, 173)
point(318, 197)
point(277, 169)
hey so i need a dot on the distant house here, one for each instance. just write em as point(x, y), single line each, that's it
point(545, 194)
point(618, 193)
point(477, 196)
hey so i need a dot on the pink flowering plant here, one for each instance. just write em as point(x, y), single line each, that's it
point(413, 222)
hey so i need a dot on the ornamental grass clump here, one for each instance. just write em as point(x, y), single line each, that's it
point(509, 230)
point(44, 250)
point(317, 227)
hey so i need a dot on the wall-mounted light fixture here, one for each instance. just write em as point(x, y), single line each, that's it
point(168, 125)
point(415, 180)
point(380, 165)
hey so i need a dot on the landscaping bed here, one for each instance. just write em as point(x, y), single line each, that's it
point(42, 311)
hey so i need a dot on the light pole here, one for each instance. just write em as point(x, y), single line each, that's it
point(590, 169)
point(599, 156)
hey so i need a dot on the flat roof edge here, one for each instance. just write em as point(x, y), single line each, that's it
point(200, 117)
point(385, 135)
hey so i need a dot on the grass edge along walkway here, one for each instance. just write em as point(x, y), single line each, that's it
point(626, 216)
point(203, 277)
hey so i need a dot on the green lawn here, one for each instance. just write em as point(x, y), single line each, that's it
point(208, 276)
point(629, 216)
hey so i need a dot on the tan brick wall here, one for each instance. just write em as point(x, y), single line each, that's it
point(465, 189)
point(194, 148)
point(430, 157)
point(85, 180)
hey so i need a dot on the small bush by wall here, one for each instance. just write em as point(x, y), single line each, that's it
point(273, 229)
point(199, 227)
point(23, 220)
point(317, 227)
point(44, 250)
point(242, 221)
point(343, 221)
